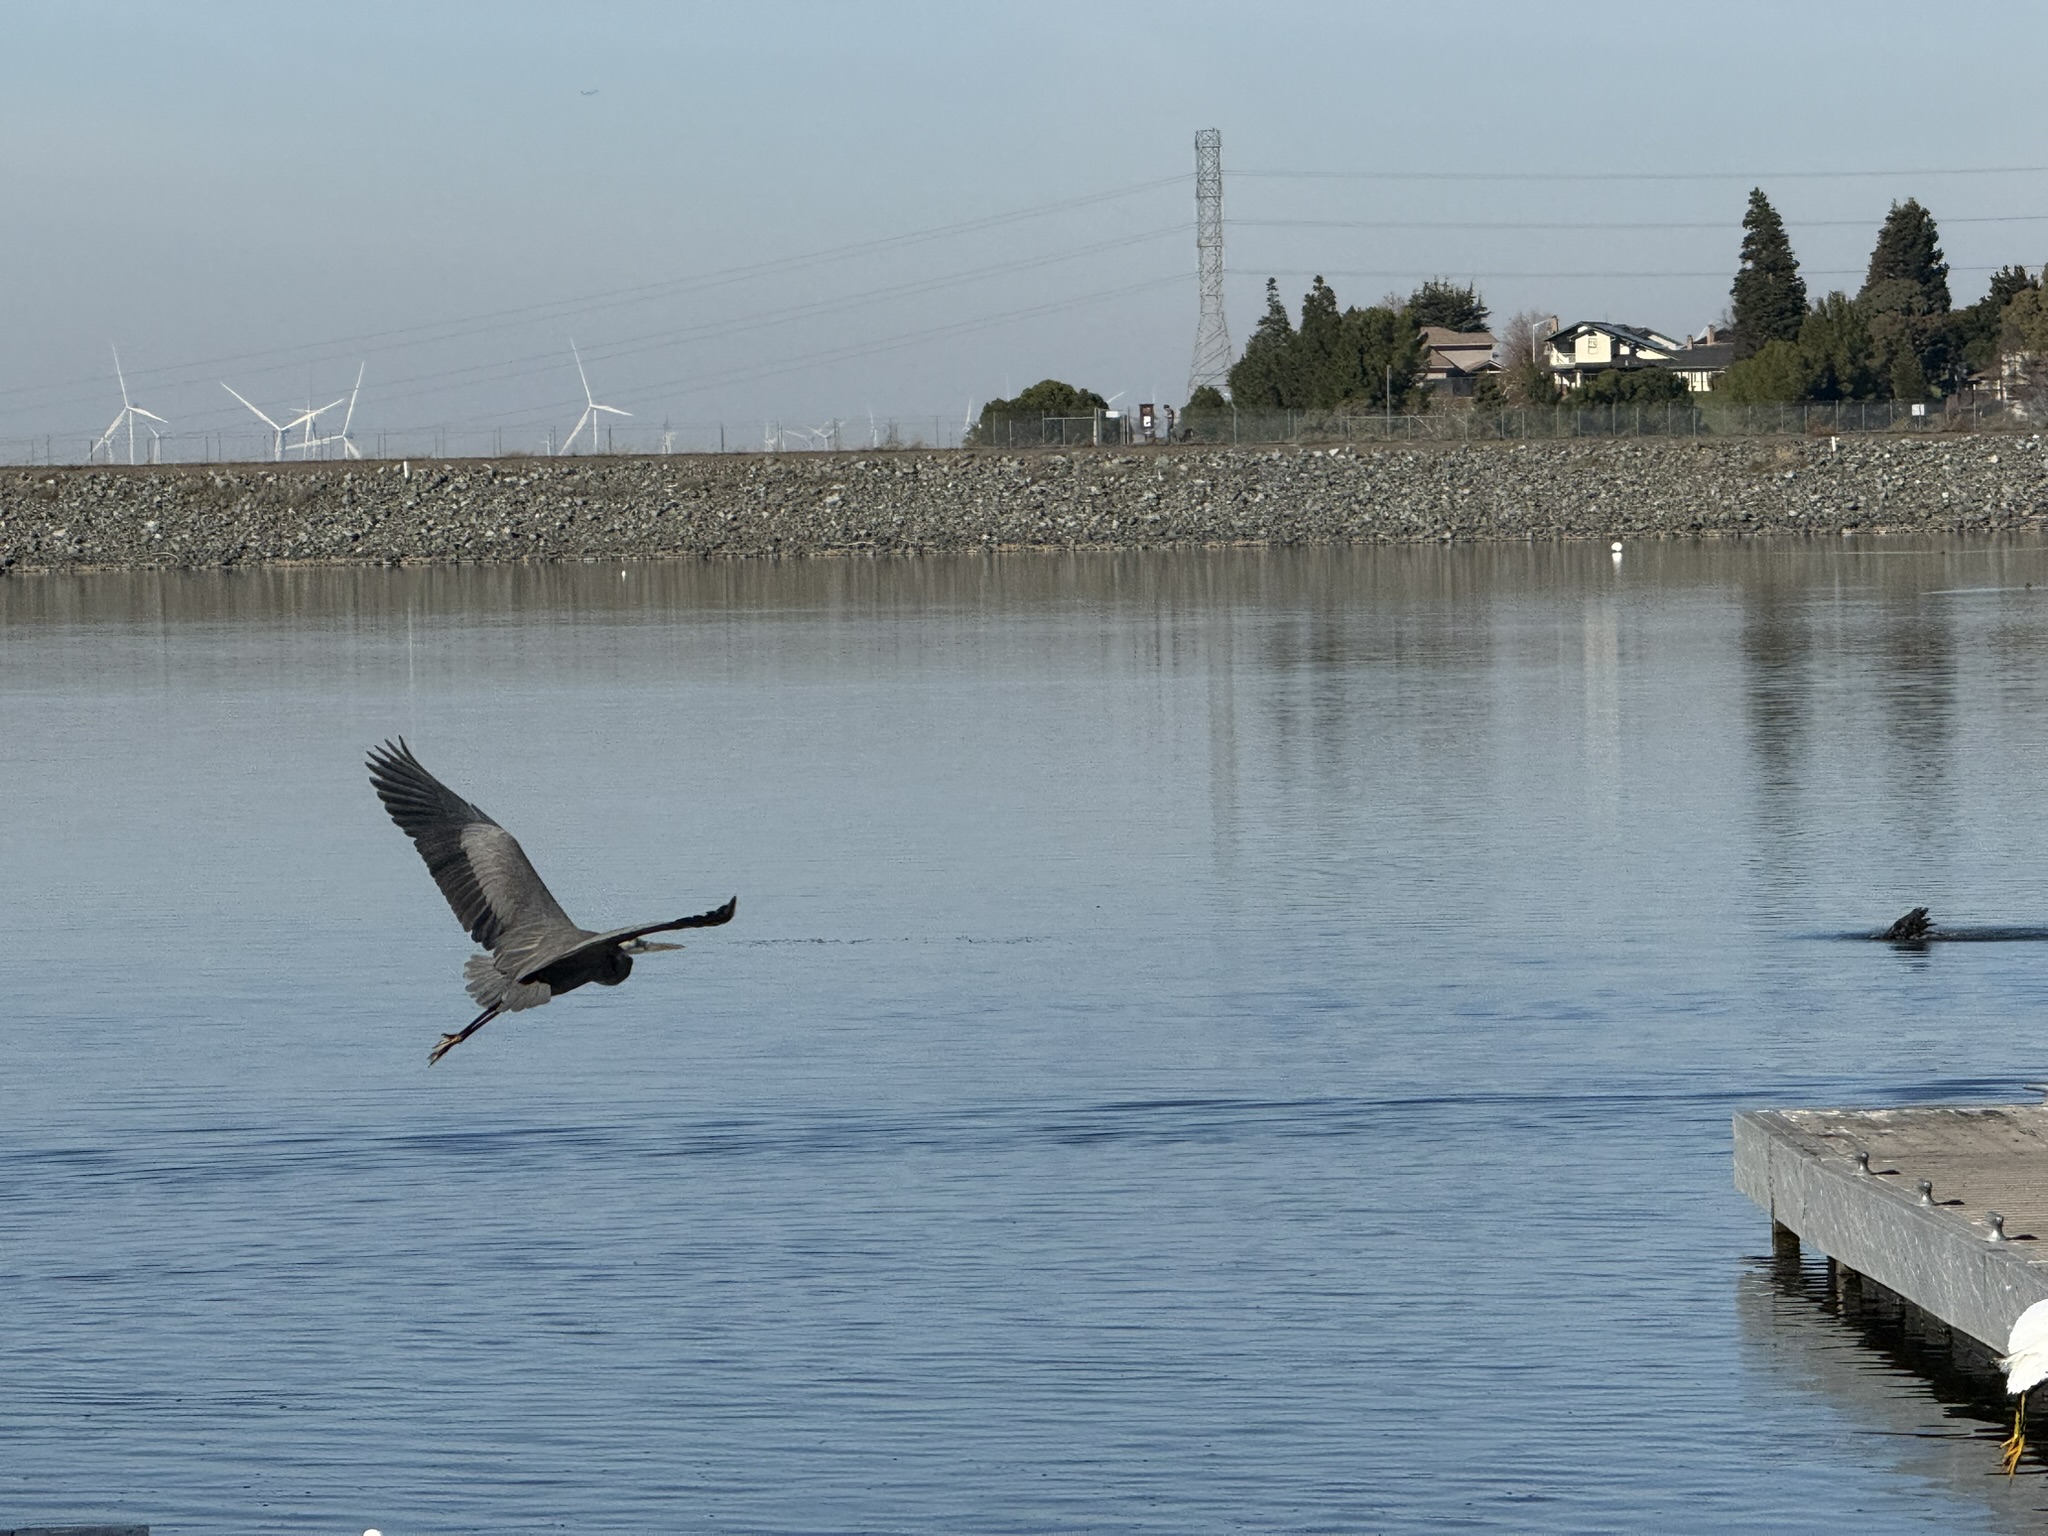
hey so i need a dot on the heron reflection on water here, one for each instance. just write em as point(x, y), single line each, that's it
point(536, 952)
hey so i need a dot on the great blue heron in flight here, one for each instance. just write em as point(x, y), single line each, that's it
point(536, 953)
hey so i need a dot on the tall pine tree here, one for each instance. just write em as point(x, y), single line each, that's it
point(1909, 249)
point(1905, 299)
point(1323, 371)
point(1769, 293)
point(1454, 306)
point(1264, 378)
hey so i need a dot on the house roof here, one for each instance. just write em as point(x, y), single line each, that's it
point(1638, 335)
point(1705, 354)
point(1444, 336)
point(1458, 351)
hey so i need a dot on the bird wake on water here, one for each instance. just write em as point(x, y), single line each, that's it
point(536, 952)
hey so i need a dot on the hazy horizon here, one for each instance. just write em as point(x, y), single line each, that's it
point(803, 212)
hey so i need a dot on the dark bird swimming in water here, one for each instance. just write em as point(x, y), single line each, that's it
point(536, 953)
point(1908, 929)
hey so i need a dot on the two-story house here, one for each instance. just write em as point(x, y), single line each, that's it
point(1455, 359)
point(1579, 351)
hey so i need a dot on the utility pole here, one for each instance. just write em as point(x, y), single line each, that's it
point(1212, 334)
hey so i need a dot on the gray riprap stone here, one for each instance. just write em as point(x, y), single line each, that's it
point(754, 505)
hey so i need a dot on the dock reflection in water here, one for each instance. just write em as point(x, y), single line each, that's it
point(1875, 1365)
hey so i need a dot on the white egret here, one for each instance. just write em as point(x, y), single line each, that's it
point(2025, 1362)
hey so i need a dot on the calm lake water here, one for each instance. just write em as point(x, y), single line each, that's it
point(1236, 1041)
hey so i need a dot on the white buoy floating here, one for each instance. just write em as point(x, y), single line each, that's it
point(1616, 548)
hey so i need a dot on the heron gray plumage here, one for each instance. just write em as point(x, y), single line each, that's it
point(536, 952)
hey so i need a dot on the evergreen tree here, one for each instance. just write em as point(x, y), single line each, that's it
point(1384, 357)
point(2025, 327)
point(2007, 284)
point(1263, 379)
point(1778, 370)
point(1347, 358)
point(1905, 301)
point(1048, 397)
point(1630, 386)
point(1835, 346)
point(1909, 249)
point(1975, 330)
point(1908, 381)
point(1451, 305)
point(1769, 293)
point(2023, 337)
point(1323, 371)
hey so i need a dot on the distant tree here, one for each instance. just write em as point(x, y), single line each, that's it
point(1263, 379)
point(1907, 380)
point(1778, 370)
point(1975, 330)
point(1489, 392)
point(1629, 386)
point(2007, 284)
point(1769, 295)
point(1206, 417)
point(1323, 369)
point(2025, 324)
point(1385, 361)
point(1530, 384)
point(1337, 357)
point(1454, 306)
point(1835, 347)
point(2023, 338)
point(1905, 302)
point(1048, 397)
point(1526, 377)
point(1909, 249)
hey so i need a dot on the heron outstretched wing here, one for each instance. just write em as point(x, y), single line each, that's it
point(710, 919)
point(480, 867)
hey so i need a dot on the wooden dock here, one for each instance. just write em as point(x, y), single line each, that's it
point(1946, 1206)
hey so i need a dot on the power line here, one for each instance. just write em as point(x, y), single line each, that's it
point(486, 320)
point(1596, 176)
point(736, 325)
point(1575, 225)
point(1402, 273)
point(700, 383)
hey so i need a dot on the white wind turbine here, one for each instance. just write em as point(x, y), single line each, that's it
point(590, 406)
point(301, 423)
point(277, 445)
point(348, 444)
point(129, 411)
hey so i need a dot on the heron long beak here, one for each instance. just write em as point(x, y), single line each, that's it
point(646, 947)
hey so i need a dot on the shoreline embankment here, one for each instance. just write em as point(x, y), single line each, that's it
point(921, 502)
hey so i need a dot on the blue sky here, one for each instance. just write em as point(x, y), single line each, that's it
point(270, 194)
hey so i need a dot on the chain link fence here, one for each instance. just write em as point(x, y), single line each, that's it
point(866, 434)
point(1820, 418)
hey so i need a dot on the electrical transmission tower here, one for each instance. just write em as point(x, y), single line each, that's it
point(1212, 335)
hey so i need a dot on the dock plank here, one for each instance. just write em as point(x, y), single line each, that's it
point(1800, 1165)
